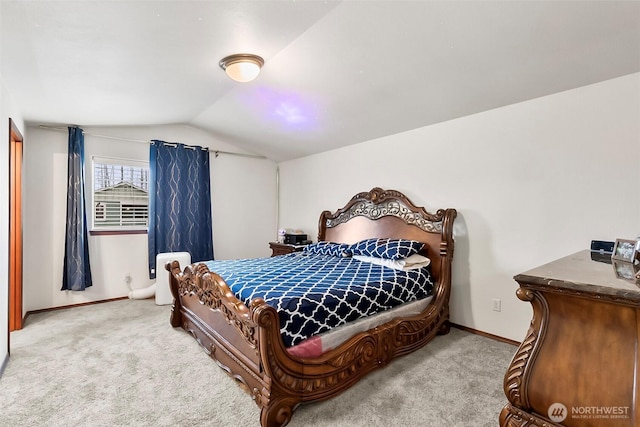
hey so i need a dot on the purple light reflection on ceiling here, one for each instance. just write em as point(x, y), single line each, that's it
point(287, 108)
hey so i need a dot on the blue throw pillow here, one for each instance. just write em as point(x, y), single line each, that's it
point(328, 248)
point(386, 248)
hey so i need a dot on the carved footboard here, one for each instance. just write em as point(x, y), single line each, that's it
point(205, 307)
point(246, 343)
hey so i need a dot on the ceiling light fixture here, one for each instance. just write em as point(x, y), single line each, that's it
point(242, 67)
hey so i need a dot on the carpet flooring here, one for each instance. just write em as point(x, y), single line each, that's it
point(121, 364)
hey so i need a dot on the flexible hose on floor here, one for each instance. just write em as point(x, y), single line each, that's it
point(143, 293)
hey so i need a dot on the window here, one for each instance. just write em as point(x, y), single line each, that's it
point(120, 194)
point(100, 214)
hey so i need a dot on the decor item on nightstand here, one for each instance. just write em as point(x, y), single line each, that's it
point(295, 238)
point(625, 250)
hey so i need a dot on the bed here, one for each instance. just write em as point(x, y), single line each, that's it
point(245, 337)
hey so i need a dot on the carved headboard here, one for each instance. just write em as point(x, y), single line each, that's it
point(390, 214)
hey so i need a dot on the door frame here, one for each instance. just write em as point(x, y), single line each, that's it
point(15, 229)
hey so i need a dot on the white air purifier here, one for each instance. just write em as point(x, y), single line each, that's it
point(163, 291)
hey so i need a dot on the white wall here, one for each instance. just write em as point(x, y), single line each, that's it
point(243, 233)
point(531, 182)
point(243, 207)
point(8, 110)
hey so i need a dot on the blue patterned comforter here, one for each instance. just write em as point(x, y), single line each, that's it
point(314, 293)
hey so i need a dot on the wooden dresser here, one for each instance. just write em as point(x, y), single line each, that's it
point(579, 364)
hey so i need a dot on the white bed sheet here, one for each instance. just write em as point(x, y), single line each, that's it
point(321, 343)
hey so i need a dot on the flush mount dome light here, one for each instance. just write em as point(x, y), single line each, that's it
point(242, 67)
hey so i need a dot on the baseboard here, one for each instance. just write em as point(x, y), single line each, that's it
point(4, 364)
point(485, 334)
point(64, 307)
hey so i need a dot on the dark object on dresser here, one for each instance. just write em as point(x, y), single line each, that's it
point(601, 250)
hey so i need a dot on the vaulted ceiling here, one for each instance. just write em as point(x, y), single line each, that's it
point(336, 72)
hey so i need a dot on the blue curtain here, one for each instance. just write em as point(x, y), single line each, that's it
point(77, 271)
point(179, 202)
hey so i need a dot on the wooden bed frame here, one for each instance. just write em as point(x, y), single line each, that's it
point(246, 342)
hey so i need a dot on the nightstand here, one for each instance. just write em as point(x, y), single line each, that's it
point(284, 248)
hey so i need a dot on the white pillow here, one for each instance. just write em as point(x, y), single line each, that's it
point(410, 263)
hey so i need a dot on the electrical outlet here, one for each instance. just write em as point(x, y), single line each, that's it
point(497, 304)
